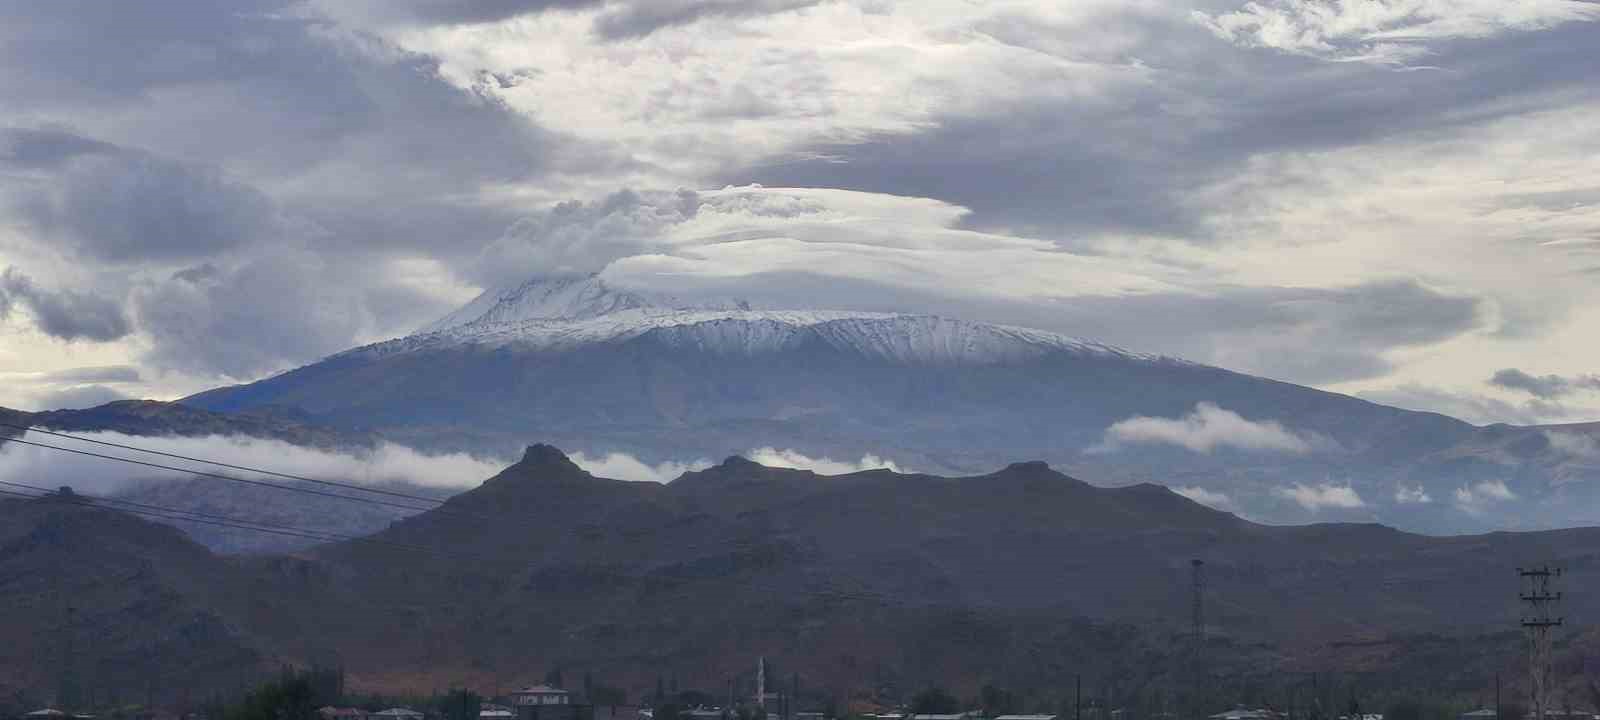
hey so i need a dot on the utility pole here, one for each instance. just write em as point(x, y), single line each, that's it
point(67, 694)
point(1497, 707)
point(1197, 639)
point(1077, 697)
point(1540, 621)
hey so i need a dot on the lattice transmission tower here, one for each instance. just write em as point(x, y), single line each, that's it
point(1541, 605)
point(1198, 602)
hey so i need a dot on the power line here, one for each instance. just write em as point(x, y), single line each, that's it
point(283, 530)
point(176, 514)
point(259, 471)
point(201, 473)
point(196, 516)
point(439, 508)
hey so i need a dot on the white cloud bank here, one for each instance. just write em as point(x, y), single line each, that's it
point(1577, 445)
point(1323, 495)
point(1207, 428)
point(622, 466)
point(1412, 495)
point(772, 457)
point(1209, 498)
point(1474, 499)
point(1383, 31)
point(385, 463)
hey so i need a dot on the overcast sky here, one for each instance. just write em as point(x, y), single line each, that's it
point(1393, 198)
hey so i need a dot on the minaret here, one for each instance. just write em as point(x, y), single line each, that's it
point(761, 683)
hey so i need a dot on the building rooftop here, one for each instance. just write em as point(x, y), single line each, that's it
point(541, 690)
point(1245, 714)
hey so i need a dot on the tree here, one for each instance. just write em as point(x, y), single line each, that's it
point(460, 704)
point(935, 701)
point(1404, 710)
point(693, 699)
point(288, 698)
point(605, 695)
point(996, 701)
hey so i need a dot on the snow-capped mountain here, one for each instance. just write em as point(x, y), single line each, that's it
point(562, 297)
point(598, 369)
point(568, 312)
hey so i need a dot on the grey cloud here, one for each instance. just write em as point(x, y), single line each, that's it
point(119, 205)
point(359, 141)
point(65, 314)
point(1545, 387)
point(1304, 335)
point(264, 315)
point(1310, 336)
point(46, 148)
point(343, 152)
point(1471, 407)
point(643, 17)
point(577, 236)
point(1379, 32)
point(448, 12)
point(1194, 111)
point(619, 19)
point(94, 374)
point(74, 398)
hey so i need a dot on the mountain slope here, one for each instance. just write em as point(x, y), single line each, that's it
point(142, 421)
point(854, 581)
point(726, 563)
point(154, 419)
point(591, 367)
point(143, 609)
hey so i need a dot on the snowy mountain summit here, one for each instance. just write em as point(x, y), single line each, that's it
point(566, 312)
point(562, 298)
